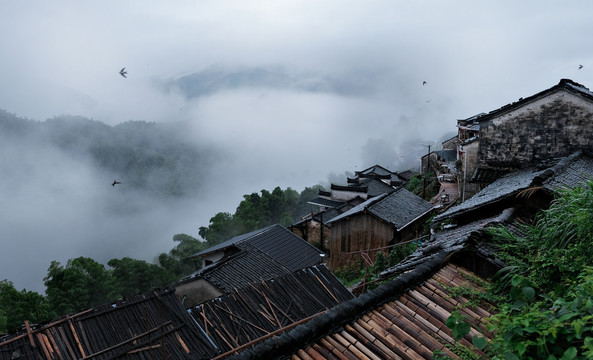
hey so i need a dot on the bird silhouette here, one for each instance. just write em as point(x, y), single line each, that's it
point(424, 83)
point(123, 72)
point(580, 67)
point(115, 182)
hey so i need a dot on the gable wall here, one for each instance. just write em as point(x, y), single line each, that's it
point(359, 232)
point(552, 126)
point(346, 195)
point(450, 144)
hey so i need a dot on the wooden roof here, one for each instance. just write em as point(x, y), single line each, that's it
point(153, 325)
point(399, 208)
point(263, 254)
point(569, 171)
point(410, 325)
point(259, 309)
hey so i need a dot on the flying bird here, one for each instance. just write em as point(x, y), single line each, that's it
point(580, 67)
point(115, 182)
point(123, 72)
point(424, 83)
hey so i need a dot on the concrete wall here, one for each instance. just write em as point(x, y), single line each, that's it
point(196, 292)
point(549, 127)
point(212, 258)
point(469, 163)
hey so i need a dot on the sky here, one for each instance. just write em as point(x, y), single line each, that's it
point(303, 91)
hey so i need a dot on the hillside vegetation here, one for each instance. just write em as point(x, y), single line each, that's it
point(151, 158)
point(82, 282)
point(546, 291)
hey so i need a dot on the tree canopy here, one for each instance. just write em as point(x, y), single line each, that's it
point(258, 210)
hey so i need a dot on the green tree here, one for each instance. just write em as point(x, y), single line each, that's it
point(137, 276)
point(548, 285)
point(424, 185)
point(380, 262)
point(221, 228)
point(259, 210)
point(18, 306)
point(176, 262)
point(400, 252)
point(81, 284)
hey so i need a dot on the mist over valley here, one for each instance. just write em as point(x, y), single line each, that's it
point(223, 99)
point(59, 200)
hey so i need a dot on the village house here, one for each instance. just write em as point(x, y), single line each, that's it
point(263, 254)
point(368, 183)
point(314, 227)
point(373, 181)
point(440, 161)
point(374, 225)
point(255, 311)
point(548, 125)
point(527, 190)
point(156, 325)
point(405, 317)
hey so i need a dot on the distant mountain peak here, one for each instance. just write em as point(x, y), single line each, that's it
point(217, 78)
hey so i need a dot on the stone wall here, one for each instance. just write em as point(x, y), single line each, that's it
point(469, 163)
point(548, 127)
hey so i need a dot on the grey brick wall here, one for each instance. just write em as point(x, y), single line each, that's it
point(547, 128)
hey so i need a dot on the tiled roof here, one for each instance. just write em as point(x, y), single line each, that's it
point(488, 175)
point(233, 241)
point(141, 327)
point(398, 208)
point(406, 175)
point(285, 247)
point(450, 239)
point(256, 310)
point(403, 318)
point(276, 242)
point(377, 187)
point(411, 327)
point(358, 208)
point(504, 187)
point(396, 320)
point(569, 171)
point(352, 187)
point(374, 170)
point(263, 254)
point(242, 268)
point(325, 202)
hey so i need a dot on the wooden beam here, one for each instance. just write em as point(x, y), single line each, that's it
point(287, 327)
point(29, 333)
point(127, 341)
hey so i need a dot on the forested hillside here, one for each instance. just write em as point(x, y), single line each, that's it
point(83, 282)
point(149, 157)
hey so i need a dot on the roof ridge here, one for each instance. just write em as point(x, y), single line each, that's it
point(560, 166)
